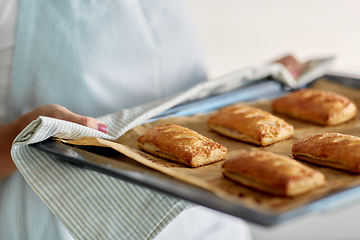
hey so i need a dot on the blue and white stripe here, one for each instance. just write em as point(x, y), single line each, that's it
point(95, 58)
point(98, 57)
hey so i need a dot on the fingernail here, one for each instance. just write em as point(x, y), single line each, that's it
point(102, 128)
point(294, 73)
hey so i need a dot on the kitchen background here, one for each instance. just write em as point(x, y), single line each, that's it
point(239, 33)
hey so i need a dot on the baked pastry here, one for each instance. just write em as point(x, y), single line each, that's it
point(330, 149)
point(317, 106)
point(181, 145)
point(272, 173)
point(251, 125)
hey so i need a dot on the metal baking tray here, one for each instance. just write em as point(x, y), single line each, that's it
point(111, 163)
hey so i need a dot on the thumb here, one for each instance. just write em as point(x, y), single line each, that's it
point(87, 121)
point(292, 64)
point(93, 123)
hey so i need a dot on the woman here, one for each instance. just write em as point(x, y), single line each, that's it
point(75, 59)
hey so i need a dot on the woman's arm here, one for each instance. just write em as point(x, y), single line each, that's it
point(10, 131)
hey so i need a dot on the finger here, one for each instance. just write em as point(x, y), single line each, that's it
point(85, 121)
point(292, 64)
point(91, 122)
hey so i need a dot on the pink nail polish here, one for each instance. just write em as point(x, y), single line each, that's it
point(102, 128)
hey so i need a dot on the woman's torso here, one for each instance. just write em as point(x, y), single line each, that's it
point(95, 58)
point(99, 57)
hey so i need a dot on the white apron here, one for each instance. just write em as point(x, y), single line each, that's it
point(95, 58)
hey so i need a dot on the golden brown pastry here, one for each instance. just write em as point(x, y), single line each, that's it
point(330, 149)
point(251, 125)
point(317, 106)
point(272, 173)
point(181, 145)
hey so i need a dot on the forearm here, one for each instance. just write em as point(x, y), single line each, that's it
point(7, 135)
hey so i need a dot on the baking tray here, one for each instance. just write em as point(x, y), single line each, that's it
point(111, 163)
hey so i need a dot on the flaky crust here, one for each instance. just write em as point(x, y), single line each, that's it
point(181, 145)
point(272, 173)
point(251, 125)
point(316, 106)
point(330, 149)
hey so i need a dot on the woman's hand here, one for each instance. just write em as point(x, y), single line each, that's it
point(292, 64)
point(60, 112)
point(10, 131)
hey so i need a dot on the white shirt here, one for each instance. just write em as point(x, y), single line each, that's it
point(8, 16)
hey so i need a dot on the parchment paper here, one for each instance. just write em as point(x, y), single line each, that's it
point(210, 177)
